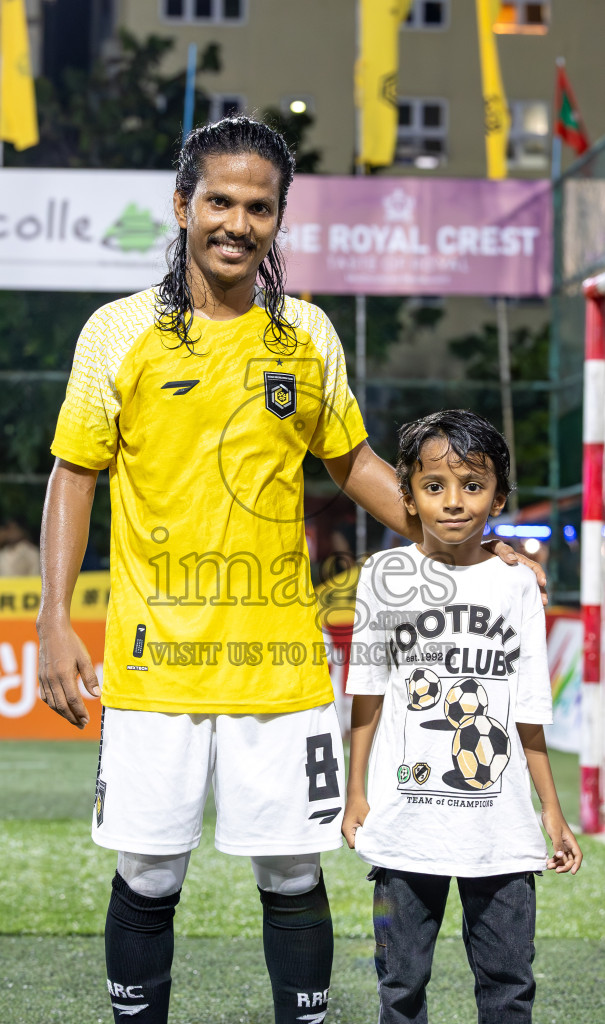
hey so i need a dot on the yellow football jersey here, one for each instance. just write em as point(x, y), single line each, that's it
point(211, 608)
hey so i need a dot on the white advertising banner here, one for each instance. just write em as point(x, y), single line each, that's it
point(77, 230)
point(80, 230)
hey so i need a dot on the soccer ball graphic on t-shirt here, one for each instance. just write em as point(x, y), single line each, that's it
point(481, 751)
point(463, 700)
point(424, 689)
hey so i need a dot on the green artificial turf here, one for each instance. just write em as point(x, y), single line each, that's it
point(54, 887)
point(55, 881)
point(43, 980)
point(46, 850)
point(47, 780)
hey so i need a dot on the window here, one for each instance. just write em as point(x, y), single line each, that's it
point(223, 105)
point(517, 17)
point(422, 132)
point(224, 12)
point(428, 14)
point(529, 139)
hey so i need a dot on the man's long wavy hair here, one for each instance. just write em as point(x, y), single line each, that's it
point(232, 135)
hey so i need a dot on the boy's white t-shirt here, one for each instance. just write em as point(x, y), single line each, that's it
point(450, 799)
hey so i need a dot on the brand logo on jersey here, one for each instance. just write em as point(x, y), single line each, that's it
point(280, 393)
point(100, 801)
point(183, 386)
point(403, 774)
point(421, 772)
point(326, 816)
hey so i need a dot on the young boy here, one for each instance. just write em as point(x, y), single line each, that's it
point(449, 706)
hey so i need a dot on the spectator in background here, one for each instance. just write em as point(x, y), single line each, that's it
point(18, 555)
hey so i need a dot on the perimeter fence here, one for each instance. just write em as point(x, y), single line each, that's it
point(579, 252)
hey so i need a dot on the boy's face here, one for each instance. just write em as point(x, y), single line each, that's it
point(452, 498)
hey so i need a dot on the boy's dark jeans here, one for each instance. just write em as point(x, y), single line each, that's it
point(498, 925)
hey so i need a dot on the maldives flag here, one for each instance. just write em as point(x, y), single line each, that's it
point(568, 120)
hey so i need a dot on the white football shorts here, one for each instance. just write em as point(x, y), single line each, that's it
point(278, 781)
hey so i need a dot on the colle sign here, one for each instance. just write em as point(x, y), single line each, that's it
point(108, 231)
point(84, 230)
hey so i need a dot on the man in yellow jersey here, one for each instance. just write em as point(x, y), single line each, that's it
point(202, 397)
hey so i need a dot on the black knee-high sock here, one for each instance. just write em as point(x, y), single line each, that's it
point(299, 945)
point(139, 943)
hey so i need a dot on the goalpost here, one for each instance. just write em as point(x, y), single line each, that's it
point(592, 762)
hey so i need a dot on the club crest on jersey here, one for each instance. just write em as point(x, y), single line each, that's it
point(421, 772)
point(280, 393)
point(100, 801)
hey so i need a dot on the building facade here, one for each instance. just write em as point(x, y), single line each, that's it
point(278, 52)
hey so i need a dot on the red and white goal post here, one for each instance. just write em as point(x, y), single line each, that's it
point(592, 759)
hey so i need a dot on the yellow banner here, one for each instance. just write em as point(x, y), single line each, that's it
point(20, 597)
point(376, 79)
point(18, 119)
point(496, 115)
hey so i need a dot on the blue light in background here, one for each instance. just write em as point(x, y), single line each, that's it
point(536, 532)
point(539, 532)
point(570, 534)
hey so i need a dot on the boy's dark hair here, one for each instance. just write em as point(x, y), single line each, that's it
point(472, 438)
point(232, 135)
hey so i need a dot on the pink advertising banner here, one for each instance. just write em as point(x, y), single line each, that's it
point(418, 236)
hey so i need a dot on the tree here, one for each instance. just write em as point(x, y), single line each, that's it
point(294, 128)
point(529, 363)
point(38, 330)
point(124, 113)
